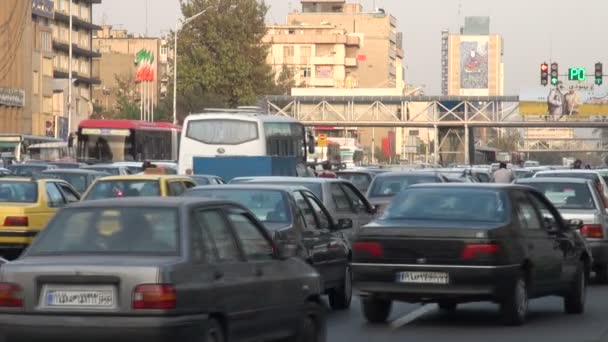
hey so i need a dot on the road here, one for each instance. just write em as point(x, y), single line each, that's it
point(480, 322)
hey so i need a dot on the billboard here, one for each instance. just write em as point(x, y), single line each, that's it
point(574, 99)
point(474, 63)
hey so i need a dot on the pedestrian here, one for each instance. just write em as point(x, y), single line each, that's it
point(578, 164)
point(573, 102)
point(503, 174)
point(555, 100)
point(327, 173)
point(587, 167)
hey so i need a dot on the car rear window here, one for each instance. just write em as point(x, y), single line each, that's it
point(150, 231)
point(124, 188)
point(360, 180)
point(27, 170)
point(200, 180)
point(566, 195)
point(111, 170)
point(79, 182)
point(582, 175)
point(391, 185)
point(269, 206)
point(18, 192)
point(448, 204)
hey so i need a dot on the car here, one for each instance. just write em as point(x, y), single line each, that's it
point(137, 186)
point(109, 168)
point(29, 170)
point(523, 173)
point(386, 185)
point(340, 197)
point(133, 167)
point(158, 269)
point(26, 205)
point(294, 215)
point(593, 175)
point(206, 179)
point(65, 164)
point(4, 172)
point(80, 179)
point(577, 198)
point(458, 243)
point(360, 178)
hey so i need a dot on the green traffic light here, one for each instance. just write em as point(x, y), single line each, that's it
point(554, 80)
point(598, 81)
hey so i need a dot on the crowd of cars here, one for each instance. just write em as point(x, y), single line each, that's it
point(97, 252)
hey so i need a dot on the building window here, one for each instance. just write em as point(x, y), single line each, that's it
point(46, 41)
point(305, 53)
point(288, 53)
point(305, 72)
point(47, 105)
point(47, 67)
point(36, 83)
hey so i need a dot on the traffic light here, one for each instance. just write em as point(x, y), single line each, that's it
point(544, 74)
point(554, 73)
point(599, 74)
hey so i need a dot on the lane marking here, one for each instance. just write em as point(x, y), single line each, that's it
point(414, 315)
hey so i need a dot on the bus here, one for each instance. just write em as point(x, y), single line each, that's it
point(52, 151)
point(106, 141)
point(14, 147)
point(242, 132)
point(351, 155)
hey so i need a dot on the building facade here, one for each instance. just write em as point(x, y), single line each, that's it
point(379, 54)
point(317, 55)
point(118, 51)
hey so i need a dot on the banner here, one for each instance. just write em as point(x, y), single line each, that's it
point(573, 99)
point(474, 63)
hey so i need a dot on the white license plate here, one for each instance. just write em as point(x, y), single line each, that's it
point(79, 298)
point(423, 277)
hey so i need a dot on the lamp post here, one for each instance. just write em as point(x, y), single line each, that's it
point(177, 28)
point(70, 69)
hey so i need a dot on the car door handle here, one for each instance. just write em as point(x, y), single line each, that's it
point(217, 274)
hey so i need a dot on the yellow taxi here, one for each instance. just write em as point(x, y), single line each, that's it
point(146, 185)
point(26, 205)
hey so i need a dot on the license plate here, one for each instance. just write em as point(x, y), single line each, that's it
point(79, 298)
point(423, 277)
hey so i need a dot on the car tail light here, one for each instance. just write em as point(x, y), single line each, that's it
point(10, 295)
point(16, 221)
point(373, 249)
point(473, 250)
point(154, 296)
point(594, 231)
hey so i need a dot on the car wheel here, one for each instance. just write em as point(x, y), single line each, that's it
point(213, 332)
point(312, 327)
point(376, 310)
point(601, 274)
point(448, 306)
point(340, 298)
point(514, 306)
point(574, 301)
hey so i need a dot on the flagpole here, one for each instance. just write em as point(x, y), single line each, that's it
point(141, 101)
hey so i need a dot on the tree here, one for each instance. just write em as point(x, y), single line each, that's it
point(509, 141)
point(221, 56)
point(285, 81)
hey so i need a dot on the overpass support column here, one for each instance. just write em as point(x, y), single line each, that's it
point(436, 146)
point(467, 145)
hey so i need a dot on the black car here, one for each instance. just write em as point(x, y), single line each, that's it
point(457, 243)
point(29, 170)
point(159, 270)
point(294, 215)
point(80, 179)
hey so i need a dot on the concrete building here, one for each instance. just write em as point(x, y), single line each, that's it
point(82, 56)
point(118, 49)
point(380, 51)
point(317, 55)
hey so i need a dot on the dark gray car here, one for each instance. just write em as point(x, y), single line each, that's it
point(80, 179)
point(158, 269)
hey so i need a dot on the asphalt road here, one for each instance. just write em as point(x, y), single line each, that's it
point(547, 322)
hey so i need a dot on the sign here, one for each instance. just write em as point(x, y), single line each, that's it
point(577, 74)
point(106, 132)
point(43, 8)
point(585, 99)
point(322, 140)
point(12, 97)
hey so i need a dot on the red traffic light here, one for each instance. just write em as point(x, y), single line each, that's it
point(544, 67)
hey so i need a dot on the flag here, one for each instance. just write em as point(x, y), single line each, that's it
point(145, 71)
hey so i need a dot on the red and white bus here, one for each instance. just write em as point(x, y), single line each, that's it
point(126, 140)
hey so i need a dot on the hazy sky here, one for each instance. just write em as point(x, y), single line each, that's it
point(568, 32)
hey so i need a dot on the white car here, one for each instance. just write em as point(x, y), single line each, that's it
point(592, 175)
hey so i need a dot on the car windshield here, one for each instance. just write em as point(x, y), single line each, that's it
point(387, 186)
point(360, 180)
point(520, 174)
point(566, 195)
point(583, 175)
point(150, 231)
point(448, 204)
point(269, 206)
point(123, 188)
point(27, 170)
point(18, 192)
point(79, 182)
point(111, 170)
point(200, 180)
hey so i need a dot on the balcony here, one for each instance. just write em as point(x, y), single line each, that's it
point(76, 21)
point(350, 62)
point(61, 73)
point(76, 50)
point(324, 60)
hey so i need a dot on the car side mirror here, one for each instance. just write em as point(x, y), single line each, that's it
point(345, 223)
point(551, 226)
point(575, 224)
point(286, 251)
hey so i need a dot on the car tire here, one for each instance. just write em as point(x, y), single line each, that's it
point(312, 327)
point(376, 310)
point(213, 332)
point(340, 298)
point(574, 300)
point(448, 306)
point(514, 306)
point(601, 274)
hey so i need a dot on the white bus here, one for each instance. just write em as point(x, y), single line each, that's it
point(242, 132)
point(15, 146)
point(351, 155)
